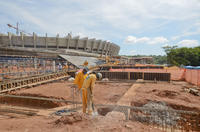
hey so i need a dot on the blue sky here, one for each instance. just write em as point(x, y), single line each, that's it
point(137, 26)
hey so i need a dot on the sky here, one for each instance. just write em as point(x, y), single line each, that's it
point(137, 26)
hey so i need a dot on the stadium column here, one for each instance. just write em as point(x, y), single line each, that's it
point(107, 46)
point(22, 39)
point(100, 42)
point(86, 44)
point(57, 41)
point(68, 40)
point(46, 41)
point(93, 43)
point(108, 51)
point(34, 40)
point(77, 42)
point(104, 45)
point(10, 39)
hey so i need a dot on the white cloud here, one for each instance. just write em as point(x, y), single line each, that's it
point(156, 40)
point(131, 39)
point(188, 43)
point(143, 40)
point(132, 52)
point(165, 45)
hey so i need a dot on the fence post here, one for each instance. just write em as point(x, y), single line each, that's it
point(143, 75)
point(129, 76)
point(198, 78)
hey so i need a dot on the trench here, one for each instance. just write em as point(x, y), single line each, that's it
point(32, 103)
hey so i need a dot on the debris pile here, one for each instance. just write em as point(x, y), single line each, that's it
point(156, 113)
point(71, 118)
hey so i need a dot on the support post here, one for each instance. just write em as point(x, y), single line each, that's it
point(86, 44)
point(57, 41)
point(129, 76)
point(99, 46)
point(46, 41)
point(54, 66)
point(93, 43)
point(22, 39)
point(77, 43)
point(10, 39)
point(68, 40)
point(34, 40)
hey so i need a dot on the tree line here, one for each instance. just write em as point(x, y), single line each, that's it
point(183, 56)
point(177, 56)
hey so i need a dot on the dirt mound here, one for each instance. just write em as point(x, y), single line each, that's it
point(168, 94)
point(70, 119)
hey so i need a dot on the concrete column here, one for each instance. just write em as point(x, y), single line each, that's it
point(34, 40)
point(46, 41)
point(104, 44)
point(108, 51)
point(107, 46)
point(57, 41)
point(54, 66)
point(99, 44)
point(68, 40)
point(77, 42)
point(93, 43)
point(22, 39)
point(10, 39)
point(35, 63)
point(86, 44)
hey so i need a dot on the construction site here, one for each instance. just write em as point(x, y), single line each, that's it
point(37, 93)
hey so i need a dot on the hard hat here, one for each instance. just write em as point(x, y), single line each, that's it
point(85, 63)
point(98, 75)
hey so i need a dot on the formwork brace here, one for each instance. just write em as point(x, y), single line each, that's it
point(31, 81)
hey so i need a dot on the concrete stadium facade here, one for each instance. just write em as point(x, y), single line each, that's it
point(56, 43)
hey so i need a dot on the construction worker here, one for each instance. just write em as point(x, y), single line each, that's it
point(87, 91)
point(65, 68)
point(80, 77)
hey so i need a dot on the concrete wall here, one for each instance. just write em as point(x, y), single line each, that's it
point(54, 43)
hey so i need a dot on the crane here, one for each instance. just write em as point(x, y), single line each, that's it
point(17, 29)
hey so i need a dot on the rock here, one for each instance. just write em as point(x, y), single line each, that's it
point(71, 79)
point(140, 81)
point(194, 91)
point(105, 79)
point(117, 116)
point(70, 119)
point(128, 126)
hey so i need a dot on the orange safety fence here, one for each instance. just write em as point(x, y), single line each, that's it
point(192, 76)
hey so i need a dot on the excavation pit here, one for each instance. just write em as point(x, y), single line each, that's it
point(32, 101)
point(161, 114)
point(103, 111)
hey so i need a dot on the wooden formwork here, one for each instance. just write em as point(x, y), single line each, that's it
point(133, 75)
point(31, 81)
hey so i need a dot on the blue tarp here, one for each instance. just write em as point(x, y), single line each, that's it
point(192, 67)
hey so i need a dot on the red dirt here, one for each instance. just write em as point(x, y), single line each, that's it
point(104, 93)
point(173, 95)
